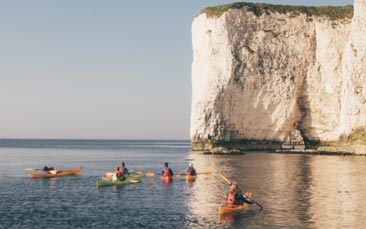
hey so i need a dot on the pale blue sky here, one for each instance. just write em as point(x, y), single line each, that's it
point(107, 69)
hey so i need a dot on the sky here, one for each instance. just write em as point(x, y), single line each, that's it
point(92, 69)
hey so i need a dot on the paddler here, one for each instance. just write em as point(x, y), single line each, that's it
point(118, 174)
point(167, 172)
point(236, 197)
point(191, 171)
point(125, 170)
point(49, 170)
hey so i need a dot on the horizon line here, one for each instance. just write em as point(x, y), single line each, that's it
point(95, 139)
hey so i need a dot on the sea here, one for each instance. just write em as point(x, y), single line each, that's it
point(296, 191)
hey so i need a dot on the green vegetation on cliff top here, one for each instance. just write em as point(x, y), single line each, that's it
point(332, 12)
point(358, 134)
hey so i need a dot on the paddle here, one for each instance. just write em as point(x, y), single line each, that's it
point(30, 169)
point(230, 183)
point(207, 172)
point(148, 174)
point(50, 171)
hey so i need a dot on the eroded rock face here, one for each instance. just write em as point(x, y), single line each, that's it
point(256, 78)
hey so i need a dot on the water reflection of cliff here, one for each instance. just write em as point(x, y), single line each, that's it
point(339, 191)
point(298, 191)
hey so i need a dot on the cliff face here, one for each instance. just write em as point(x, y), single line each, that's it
point(261, 71)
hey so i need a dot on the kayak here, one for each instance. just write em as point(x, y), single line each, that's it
point(129, 180)
point(60, 173)
point(190, 178)
point(166, 179)
point(233, 209)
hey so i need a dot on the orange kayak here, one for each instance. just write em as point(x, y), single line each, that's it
point(233, 209)
point(166, 179)
point(190, 178)
point(60, 173)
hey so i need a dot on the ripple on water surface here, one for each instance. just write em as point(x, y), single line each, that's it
point(297, 191)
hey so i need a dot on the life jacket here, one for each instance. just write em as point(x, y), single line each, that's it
point(191, 171)
point(120, 173)
point(166, 172)
point(231, 198)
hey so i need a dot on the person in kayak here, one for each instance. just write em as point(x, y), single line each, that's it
point(167, 172)
point(49, 170)
point(236, 197)
point(118, 174)
point(125, 170)
point(191, 171)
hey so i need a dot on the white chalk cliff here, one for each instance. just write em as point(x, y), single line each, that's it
point(260, 71)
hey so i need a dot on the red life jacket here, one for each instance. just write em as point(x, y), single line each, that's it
point(166, 172)
point(231, 198)
point(120, 173)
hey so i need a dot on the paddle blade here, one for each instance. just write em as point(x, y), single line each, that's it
point(258, 204)
point(149, 174)
point(207, 172)
point(31, 169)
point(134, 181)
point(109, 174)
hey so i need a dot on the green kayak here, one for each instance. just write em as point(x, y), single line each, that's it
point(129, 180)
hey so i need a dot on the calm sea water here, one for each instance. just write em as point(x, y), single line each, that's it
point(296, 191)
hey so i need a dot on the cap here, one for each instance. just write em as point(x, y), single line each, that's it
point(190, 165)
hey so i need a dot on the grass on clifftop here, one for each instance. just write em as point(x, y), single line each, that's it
point(358, 134)
point(332, 12)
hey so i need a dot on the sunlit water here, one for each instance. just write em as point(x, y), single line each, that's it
point(296, 191)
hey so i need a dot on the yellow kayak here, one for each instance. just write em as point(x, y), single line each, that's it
point(233, 209)
point(190, 178)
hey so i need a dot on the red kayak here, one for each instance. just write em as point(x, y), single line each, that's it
point(166, 179)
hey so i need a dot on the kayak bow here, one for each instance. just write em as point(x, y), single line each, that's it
point(166, 179)
point(190, 178)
